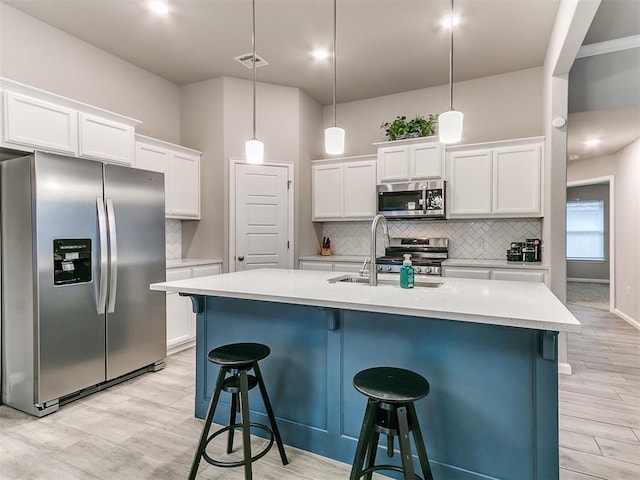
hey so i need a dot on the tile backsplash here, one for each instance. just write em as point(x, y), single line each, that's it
point(173, 236)
point(479, 239)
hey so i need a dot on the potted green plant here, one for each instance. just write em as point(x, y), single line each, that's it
point(419, 126)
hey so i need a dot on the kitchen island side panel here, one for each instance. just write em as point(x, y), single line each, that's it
point(491, 411)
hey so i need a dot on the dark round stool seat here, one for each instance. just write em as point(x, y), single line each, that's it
point(238, 354)
point(391, 385)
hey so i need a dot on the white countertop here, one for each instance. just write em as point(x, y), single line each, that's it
point(190, 262)
point(470, 262)
point(494, 302)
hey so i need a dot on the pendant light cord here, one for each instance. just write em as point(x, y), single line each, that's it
point(334, 61)
point(451, 61)
point(253, 41)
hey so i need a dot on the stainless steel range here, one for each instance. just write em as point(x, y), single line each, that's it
point(427, 255)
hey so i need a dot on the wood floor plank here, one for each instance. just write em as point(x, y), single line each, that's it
point(597, 429)
point(579, 441)
point(626, 452)
point(597, 465)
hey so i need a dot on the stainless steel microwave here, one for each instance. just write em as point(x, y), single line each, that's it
point(412, 200)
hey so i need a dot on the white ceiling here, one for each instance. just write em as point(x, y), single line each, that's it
point(384, 46)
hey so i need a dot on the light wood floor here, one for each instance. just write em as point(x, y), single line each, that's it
point(600, 402)
point(144, 429)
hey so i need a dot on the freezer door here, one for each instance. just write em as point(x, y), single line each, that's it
point(136, 332)
point(70, 331)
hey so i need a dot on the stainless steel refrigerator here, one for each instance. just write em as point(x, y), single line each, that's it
point(81, 242)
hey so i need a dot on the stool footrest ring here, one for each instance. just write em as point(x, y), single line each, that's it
point(257, 456)
point(392, 468)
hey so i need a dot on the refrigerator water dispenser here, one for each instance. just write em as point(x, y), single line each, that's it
point(71, 261)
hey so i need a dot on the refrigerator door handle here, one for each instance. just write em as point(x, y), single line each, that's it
point(113, 252)
point(104, 259)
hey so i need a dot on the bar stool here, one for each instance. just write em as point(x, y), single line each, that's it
point(390, 411)
point(236, 360)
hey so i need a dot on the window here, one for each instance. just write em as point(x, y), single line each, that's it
point(585, 230)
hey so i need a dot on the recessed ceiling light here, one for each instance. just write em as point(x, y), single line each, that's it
point(320, 54)
point(591, 142)
point(159, 7)
point(446, 21)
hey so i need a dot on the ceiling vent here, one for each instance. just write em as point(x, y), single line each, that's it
point(247, 60)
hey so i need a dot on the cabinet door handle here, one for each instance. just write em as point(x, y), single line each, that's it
point(240, 258)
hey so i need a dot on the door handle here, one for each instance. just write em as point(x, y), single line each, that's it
point(240, 258)
point(113, 253)
point(104, 259)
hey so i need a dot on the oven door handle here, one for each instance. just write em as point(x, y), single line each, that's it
point(424, 199)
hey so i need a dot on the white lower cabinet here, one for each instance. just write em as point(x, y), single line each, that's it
point(484, 273)
point(181, 321)
point(329, 266)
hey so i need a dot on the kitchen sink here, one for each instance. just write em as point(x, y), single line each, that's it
point(382, 281)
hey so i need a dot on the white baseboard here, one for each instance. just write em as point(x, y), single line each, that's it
point(181, 346)
point(627, 318)
point(564, 369)
point(588, 280)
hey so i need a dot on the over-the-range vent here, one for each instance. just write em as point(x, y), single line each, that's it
point(247, 60)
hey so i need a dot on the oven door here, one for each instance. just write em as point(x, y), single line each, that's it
point(395, 201)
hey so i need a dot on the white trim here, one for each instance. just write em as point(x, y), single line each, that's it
point(180, 347)
point(627, 318)
point(588, 280)
point(609, 46)
point(612, 230)
point(564, 369)
point(232, 209)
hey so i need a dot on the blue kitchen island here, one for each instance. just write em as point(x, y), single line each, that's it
point(488, 349)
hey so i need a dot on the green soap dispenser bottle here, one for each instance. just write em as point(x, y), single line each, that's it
point(406, 272)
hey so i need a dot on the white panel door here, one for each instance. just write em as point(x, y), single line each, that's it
point(426, 161)
point(360, 189)
point(328, 191)
point(393, 164)
point(106, 140)
point(262, 213)
point(516, 179)
point(470, 177)
point(40, 124)
point(184, 185)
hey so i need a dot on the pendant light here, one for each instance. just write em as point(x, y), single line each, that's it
point(254, 148)
point(450, 122)
point(334, 136)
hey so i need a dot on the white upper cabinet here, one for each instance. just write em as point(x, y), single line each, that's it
point(407, 162)
point(470, 183)
point(34, 119)
point(33, 123)
point(516, 175)
point(501, 180)
point(106, 140)
point(181, 168)
point(184, 181)
point(344, 189)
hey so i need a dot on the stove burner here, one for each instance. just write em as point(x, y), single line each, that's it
point(427, 255)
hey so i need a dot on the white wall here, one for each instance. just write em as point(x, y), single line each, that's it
point(37, 54)
point(625, 169)
point(286, 118)
point(495, 108)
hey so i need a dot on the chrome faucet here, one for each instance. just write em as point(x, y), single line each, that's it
point(373, 268)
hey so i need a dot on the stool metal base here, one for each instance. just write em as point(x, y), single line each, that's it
point(238, 385)
point(399, 420)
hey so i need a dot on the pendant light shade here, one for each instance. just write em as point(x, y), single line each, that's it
point(254, 148)
point(254, 151)
point(450, 126)
point(334, 140)
point(450, 122)
point(334, 136)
